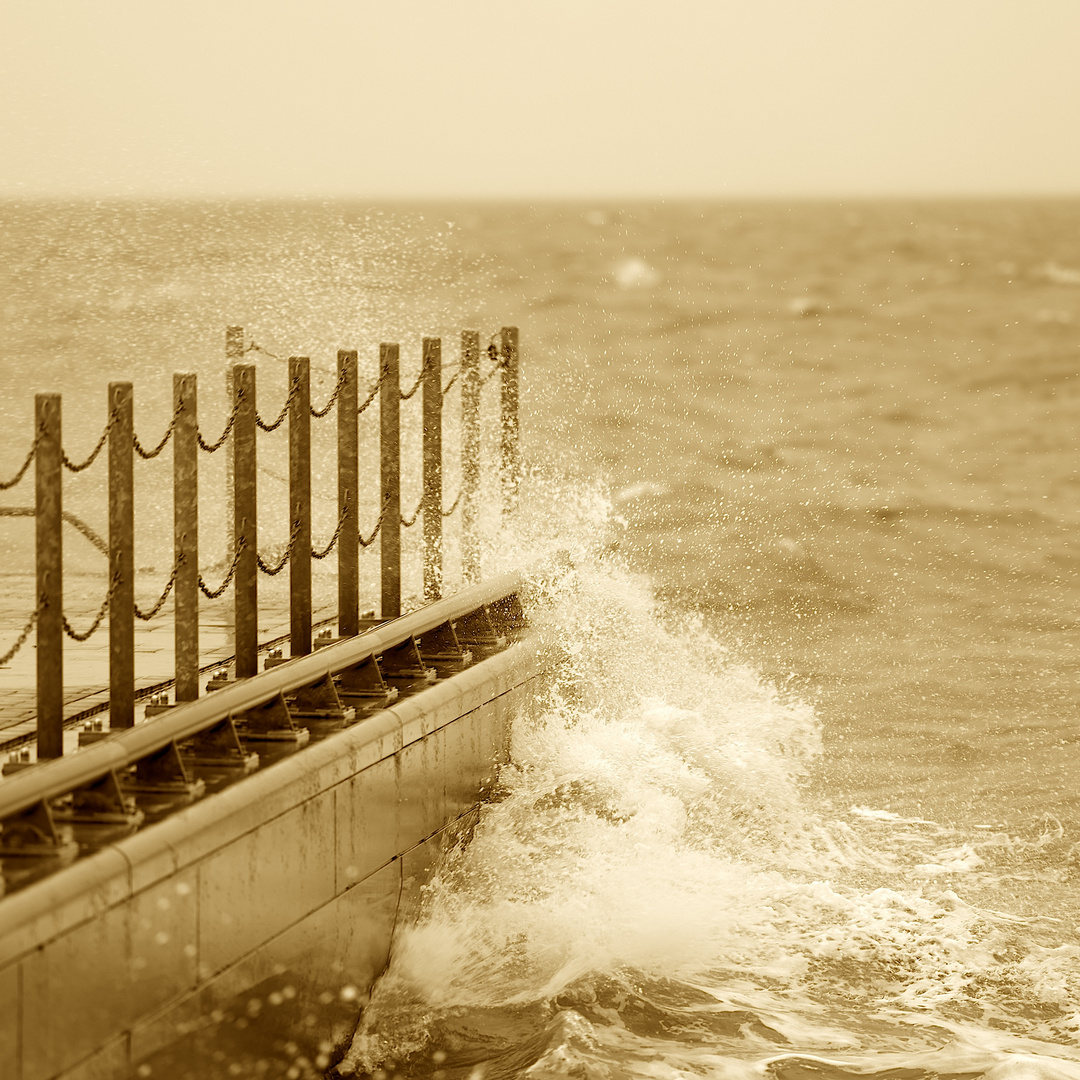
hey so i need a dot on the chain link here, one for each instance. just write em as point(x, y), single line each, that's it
point(374, 391)
point(20, 641)
point(378, 525)
point(293, 391)
point(266, 352)
point(145, 454)
point(318, 413)
point(450, 385)
point(147, 616)
point(72, 467)
point(449, 513)
point(418, 384)
point(74, 634)
point(213, 594)
point(6, 484)
point(333, 539)
point(211, 447)
point(493, 356)
point(410, 522)
point(269, 570)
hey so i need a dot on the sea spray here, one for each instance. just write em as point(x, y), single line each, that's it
point(653, 883)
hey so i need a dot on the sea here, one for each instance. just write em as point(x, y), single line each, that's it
point(804, 800)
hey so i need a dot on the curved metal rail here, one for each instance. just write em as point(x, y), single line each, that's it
point(38, 786)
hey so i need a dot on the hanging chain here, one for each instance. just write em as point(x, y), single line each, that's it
point(211, 447)
point(374, 391)
point(266, 352)
point(410, 522)
point(145, 454)
point(378, 525)
point(213, 594)
point(74, 634)
point(333, 397)
point(147, 616)
point(269, 570)
point(450, 385)
point(72, 467)
point(448, 513)
point(20, 641)
point(419, 382)
point(496, 360)
point(337, 532)
point(6, 484)
point(293, 391)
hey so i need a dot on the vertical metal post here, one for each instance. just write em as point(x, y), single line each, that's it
point(511, 459)
point(245, 522)
point(390, 474)
point(234, 354)
point(300, 505)
point(470, 454)
point(50, 582)
point(432, 498)
point(186, 535)
point(121, 558)
point(348, 495)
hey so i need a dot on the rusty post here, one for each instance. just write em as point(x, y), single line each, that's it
point(432, 497)
point(234, 354)
point(470, 454)
point(121, 557)
point(245, 527)
point(348, 495)
point(390, 473)
point(186, 535)
point(300, 505)
point(50, 581)
point(511, 458)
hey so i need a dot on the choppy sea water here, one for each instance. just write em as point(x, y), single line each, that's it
point(804, 801)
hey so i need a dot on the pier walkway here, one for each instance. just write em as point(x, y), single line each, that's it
point(86, 664)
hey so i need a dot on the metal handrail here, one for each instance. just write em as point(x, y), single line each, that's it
point(59, 776)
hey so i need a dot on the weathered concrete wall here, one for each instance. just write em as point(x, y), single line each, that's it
point(297, 869)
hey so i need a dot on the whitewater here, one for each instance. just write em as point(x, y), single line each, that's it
point(654, 891)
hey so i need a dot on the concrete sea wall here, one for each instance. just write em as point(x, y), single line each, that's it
point(298, 872)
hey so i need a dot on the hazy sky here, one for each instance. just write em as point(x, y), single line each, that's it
point(382, 98)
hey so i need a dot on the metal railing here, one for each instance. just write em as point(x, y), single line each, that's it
point(157, 753)
point(240, 435)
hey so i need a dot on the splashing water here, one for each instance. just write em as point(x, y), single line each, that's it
point(653, 892)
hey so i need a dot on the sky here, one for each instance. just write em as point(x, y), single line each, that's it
point(551, 99)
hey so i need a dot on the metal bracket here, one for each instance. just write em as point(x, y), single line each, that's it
point(32, 833)
point(163, 773)
point(363, 686)
point(271, 722)
point(219, 747)
point(477, 630)
point(403, 667)
point(440, 648)
point(320, 702)
point(101, 802)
